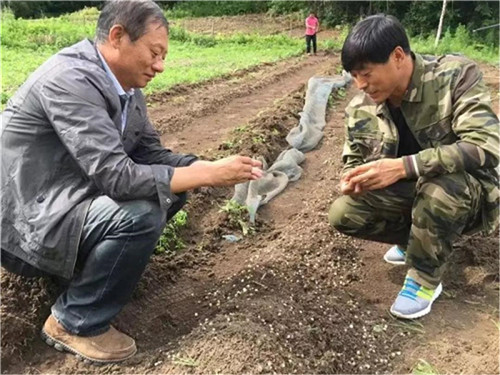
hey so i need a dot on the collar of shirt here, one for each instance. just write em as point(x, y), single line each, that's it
point(113, 79)
point(414, 91)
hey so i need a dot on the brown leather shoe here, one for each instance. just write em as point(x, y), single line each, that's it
point(110, 346)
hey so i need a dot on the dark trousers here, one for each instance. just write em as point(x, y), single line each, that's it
point(310, 38)
point(117, 241)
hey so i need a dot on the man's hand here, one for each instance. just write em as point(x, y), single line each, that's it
point(234, 170)
point(225, 172)
point(372, 176)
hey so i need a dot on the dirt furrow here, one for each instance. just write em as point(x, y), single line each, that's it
point(197, 121)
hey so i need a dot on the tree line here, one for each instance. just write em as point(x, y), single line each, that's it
point(419, 17)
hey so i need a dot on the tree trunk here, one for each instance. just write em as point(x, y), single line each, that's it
point(440, 27)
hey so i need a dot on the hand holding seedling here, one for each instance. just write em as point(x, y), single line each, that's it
point(235, 169)
point(225, 172)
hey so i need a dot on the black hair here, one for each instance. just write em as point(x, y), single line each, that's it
point(134, 16)
point(372, 40)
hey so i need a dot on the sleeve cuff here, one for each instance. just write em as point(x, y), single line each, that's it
point(189, 159)
point(412, 169)
point(163, 175)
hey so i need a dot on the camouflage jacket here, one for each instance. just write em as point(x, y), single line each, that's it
point(447, 108)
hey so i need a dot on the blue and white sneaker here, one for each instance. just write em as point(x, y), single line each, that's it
point(395, 255)
point(414, 300)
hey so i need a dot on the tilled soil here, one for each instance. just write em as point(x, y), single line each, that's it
point(295, 296)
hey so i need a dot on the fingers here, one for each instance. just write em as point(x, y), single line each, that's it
point(257, 163)
point(362, 178)
point(256, 173)
point(357, 170)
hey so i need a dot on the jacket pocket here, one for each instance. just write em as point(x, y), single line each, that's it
point(437, 134)
point(370, 145)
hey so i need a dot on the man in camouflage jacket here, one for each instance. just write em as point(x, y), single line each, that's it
point(422, 144)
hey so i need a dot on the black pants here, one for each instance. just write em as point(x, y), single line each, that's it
point(310, 38)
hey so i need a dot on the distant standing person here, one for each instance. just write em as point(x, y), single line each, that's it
point(312, 27)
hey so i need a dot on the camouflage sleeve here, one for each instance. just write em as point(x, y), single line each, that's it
point(351, 155)
point(474, 123)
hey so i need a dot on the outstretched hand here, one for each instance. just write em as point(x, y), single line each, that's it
point(371, 176)
point(234, 170)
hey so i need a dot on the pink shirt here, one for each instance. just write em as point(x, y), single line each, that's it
point(311, 25)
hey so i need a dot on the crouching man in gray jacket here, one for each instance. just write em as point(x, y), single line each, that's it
point(86, 187)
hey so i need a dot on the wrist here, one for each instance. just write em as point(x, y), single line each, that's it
point(203, 170)
point(402, 169)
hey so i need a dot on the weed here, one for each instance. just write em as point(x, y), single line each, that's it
point(412, 326)
point(185, 361)
point(170, 242)
point(228, 145)
point(258, 139)
point(340, 92)
point(496, 323)
point(238, 216)
point(424, 368)
point(241, 129)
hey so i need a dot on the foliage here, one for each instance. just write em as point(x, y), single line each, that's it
point(170, 241)
point(215, 8)
point(39, 9)
point(237, 216)
point(192, 58)
point(460, 42)
point(286, 7)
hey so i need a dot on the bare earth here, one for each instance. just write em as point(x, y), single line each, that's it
point(296, 296)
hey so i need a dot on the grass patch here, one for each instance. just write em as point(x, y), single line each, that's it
point(189, 62)
point(170, 241)
point(458, 42)
point(26, 44)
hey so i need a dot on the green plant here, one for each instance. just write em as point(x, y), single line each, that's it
point(258, 139)
point(237, 216)
point(424, 368)
point(241, 129)
point(185, 361)
point(170, 241)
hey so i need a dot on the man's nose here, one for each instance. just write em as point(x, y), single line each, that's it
point(159, 66)
point(361, 84)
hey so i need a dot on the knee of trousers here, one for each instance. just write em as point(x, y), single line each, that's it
point(339, 216)
point(147, 217)
point(442, 199)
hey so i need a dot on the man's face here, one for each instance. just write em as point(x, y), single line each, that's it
point(377, 80)
point(138, 62)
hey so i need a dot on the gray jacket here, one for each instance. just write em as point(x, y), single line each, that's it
point(61, 146)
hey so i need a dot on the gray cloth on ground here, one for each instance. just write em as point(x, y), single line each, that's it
point(275, 178)
point(303, 138)
point(307, 135)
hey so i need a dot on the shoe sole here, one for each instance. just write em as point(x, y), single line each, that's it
point(60, 346)
point(395, 262)
point(423, 312)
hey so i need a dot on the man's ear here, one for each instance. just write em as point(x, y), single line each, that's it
point(399, 55)
point(116, 34)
